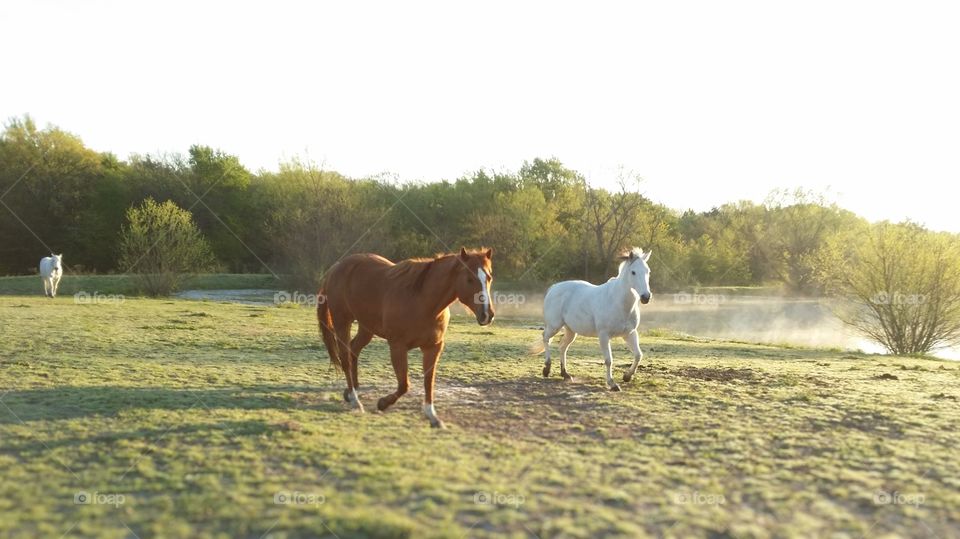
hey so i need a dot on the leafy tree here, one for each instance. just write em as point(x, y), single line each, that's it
point(160, 244)
point(901, 283)
point(47, 179)
point(315, 217)
point(797, 225)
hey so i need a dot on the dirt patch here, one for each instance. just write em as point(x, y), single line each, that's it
point(561, 408)
point(886, 376)
point(244, 296)
point(714, 374)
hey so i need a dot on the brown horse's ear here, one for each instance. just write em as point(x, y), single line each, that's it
point(489, 253)
point(463, 254)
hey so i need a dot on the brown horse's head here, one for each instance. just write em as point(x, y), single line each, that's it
point(474, 275)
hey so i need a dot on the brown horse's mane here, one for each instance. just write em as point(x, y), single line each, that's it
point(412, 272)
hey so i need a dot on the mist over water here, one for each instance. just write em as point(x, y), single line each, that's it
point(761, 319)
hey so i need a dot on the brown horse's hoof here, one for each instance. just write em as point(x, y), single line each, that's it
point(383, 403)
point(346, 395)
point(615, 387)
point(546, 372)
point(627, 377)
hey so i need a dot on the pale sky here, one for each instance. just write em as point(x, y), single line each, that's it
point(710, 102)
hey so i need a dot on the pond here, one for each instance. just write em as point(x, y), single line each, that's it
point(766, 319)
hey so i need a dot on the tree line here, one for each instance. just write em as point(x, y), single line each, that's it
point(546, 221)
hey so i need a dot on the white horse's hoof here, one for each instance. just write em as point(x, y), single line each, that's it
point(627, 376)
point(615, 387)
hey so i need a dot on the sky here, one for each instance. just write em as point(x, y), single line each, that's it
point(708, 102)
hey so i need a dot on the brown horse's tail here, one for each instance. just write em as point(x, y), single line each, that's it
point(326, 331)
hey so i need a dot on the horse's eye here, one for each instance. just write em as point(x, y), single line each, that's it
point(633, 273)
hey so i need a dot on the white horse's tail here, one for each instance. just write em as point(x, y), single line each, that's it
point(537, 347)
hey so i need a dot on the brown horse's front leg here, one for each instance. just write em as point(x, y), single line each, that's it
point(431, 357)
point(398, 356)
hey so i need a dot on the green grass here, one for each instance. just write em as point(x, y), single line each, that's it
point(30, 285)
point(199, 413)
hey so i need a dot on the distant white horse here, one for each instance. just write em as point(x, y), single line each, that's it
point(605, 311)
point(51, 270)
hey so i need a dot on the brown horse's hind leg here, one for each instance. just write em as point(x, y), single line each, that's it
point(398, 356)
point(361, 339)
point(342, 331)
point(431, 357)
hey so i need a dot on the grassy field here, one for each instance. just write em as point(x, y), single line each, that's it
point(30, 285)
point(175, 418)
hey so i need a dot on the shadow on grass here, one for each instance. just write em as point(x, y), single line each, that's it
point(73, 402)
point(234, 428)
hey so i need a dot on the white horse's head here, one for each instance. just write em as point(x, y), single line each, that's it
point(57, 261)
point(634, 268)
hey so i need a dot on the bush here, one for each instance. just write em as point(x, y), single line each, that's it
point(160, 245)
point(902, 283)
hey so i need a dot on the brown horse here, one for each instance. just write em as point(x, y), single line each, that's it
point(407, 304)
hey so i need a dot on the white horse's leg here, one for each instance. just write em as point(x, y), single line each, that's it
point(568, 337)
point(54, 285)
point(46, 286)
point(633, 341)
point(548, 334)
point(608, 361)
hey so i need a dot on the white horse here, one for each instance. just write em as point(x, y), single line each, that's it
point(51, 270)
point(605, 311)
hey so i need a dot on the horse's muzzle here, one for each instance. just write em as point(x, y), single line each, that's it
point(644, 299)
point(485, 319)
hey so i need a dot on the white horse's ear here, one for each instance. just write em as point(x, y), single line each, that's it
point(646, 256)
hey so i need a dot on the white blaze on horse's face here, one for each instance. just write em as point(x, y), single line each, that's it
point(473, 285)
point(638, 275)
point(485, 305)
point(57, 262)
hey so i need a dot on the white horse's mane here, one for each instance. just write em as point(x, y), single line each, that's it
point(627, 257)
